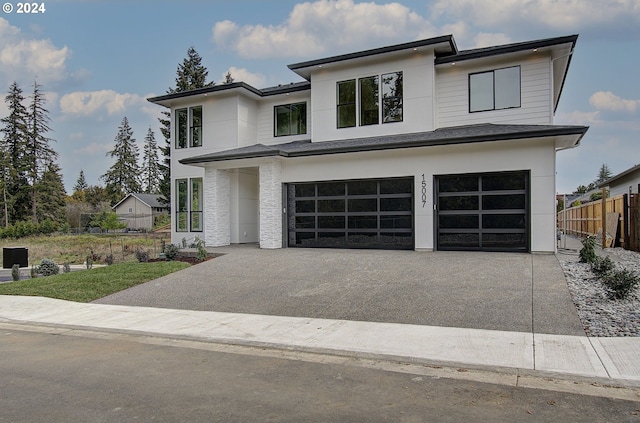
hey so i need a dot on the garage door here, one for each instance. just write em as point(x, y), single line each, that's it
point(487, 211)
point(370, 213)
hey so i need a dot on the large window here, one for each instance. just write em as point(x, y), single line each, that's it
point(290, 119)
point(494, 90)
point(189, 205)
point(347, 104)
point(369, 100)
point(362, 101)
point(189, 127)
point(392, 97)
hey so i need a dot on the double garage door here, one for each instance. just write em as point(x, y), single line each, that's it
point(488, 211)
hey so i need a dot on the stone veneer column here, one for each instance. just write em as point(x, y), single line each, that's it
point(271, 204)
point(217, 219)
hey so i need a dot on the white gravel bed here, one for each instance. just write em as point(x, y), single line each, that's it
point(600, 315)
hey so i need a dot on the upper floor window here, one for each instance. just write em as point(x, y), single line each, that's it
point(290, 119)
point(347, 104)
point(494, 90)
point(189, 127)
point(371, 92)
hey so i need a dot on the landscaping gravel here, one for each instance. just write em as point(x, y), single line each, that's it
point(600, 315)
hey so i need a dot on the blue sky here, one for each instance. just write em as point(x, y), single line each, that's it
point(99, 60)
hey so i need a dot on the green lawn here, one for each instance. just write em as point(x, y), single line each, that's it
point(88, 285)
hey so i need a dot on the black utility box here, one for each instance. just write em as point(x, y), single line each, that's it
point(15, 255)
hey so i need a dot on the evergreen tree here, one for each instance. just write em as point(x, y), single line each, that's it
point(603, 174)
point(191, 74)
point(228, 79)
point(80, 188)
point(14, 146)
point(52, 195)
point(122, 177)
point(39, 154)
point(150, 164)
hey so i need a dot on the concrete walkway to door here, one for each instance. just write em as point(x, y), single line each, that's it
point(477, 290)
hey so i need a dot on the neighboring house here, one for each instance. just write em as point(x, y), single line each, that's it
point(627, 182)
point(139, 211)
point(415, 146)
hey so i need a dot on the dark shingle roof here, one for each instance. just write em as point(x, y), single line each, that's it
point(442, 136)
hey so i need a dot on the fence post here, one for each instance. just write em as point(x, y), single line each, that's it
point(604, 218)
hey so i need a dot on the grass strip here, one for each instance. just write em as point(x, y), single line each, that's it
point(84, 286)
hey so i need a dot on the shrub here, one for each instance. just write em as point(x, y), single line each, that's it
point(588, 251)
point(601, 266)
point(48, 267)
point(66, 267)
point(171, 251)
point(142, 255)
point(109, 259)
point(15, 272)
point(620, 283)
point(202, 251)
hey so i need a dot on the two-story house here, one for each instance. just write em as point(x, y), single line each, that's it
point(415, 146)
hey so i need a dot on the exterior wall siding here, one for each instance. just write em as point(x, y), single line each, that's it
point(265, 116)
point(452, 91)
point(217, 226)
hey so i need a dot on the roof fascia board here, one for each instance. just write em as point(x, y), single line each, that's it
point(506, 49)
point(238, 86)
point(576, 131)
point(302, 68)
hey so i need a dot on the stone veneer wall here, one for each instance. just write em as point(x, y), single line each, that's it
point(271, 204)
point(217, 220)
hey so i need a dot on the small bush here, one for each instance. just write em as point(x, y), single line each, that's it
point(48, 267)
point(620, 283)
point(142, 255)
point(202, 251)
point(601, 266)
point(109, 259)
point(588, 251)
point(15, 272)
point(171, 251)
point(66, 267)
point(34, 272)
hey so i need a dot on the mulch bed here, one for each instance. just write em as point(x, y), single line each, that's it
point(185, 259)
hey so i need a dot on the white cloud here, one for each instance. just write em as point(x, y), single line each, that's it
point(313, 26)
point(23, 59)
point(578, 118)
point(558, 15)
point(606, 100)
point(95, 148)
point(243, 75)
point(86, 103)
point(485, 39)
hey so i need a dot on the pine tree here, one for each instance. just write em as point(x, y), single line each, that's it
point(122, 177)
point(150, 164)
point(52, 195)
point(603, 174)
point(191, 74)
point(39, 153)
point(14, 145)
point(228, 79)
point(80, 188)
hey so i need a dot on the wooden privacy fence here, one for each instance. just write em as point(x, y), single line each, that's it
point(620, 215)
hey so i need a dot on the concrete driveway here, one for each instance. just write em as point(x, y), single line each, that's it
point(499, 291)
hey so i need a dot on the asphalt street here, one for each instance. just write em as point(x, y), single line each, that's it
point(52, 376)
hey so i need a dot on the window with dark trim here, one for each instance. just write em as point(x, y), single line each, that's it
point(189, 127)
point(290, 119)
point(347, 104)
point(189, 194)
point(494, 90)
point(392, 97)
point(363, 100)
point(369, 101)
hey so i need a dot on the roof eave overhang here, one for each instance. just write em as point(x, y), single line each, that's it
point(564, 137)
point(442, 46)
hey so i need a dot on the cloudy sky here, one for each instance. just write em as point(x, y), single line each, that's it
point(100, 60)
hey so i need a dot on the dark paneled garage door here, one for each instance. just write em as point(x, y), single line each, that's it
point(370, 213)
point(487, 211)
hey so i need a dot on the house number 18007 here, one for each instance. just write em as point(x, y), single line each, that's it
point(424, 191)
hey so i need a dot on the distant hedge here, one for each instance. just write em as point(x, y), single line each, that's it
point(22, 229)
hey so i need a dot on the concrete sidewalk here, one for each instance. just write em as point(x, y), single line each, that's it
point(610, 360)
